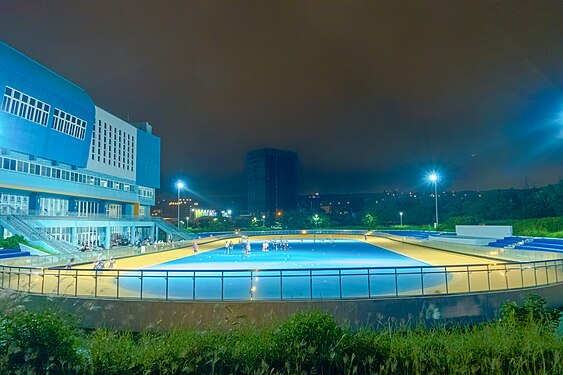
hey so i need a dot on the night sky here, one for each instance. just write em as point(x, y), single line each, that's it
point(371, 95)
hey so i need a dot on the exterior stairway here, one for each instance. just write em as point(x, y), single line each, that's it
point(33, 231)
point(172, 230)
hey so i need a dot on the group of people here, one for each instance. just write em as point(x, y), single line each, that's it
point(276, 245)
point(229, 247)
point(100, 263)
point(85, 246)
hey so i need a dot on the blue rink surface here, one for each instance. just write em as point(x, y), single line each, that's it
point(307, 270)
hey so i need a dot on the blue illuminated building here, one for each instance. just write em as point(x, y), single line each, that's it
point(71, 173)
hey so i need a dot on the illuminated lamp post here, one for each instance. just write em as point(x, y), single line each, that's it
point(180, 186)
point(264, 221)
point(433, 177)
point(401, 215)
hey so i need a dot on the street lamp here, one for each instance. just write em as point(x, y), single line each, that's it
point(264, 220)
point(180, 186)
point(433, 177)
point(401, 215)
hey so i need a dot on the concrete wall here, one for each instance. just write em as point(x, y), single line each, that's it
point(486, 231)
point(124, 147)
point(157, 314)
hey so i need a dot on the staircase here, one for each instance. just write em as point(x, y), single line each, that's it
point(172, 230)
point(33, 232)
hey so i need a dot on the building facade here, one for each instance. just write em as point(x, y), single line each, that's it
point(271, 177)
point(83, 174)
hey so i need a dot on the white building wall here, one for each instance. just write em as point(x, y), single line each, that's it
point(113, 149)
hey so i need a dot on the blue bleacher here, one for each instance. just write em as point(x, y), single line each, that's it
point(554, 241)
point(538, 248)
point(13, 253)
point(521, 243)
point(543, 244)
point(506, 241)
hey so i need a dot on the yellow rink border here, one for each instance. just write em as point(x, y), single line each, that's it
point(481, 274)
point(422, 254)
point(457, 281)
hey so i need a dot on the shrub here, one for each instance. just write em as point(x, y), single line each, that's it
point(12, 242)
point(534, 310)
point(310, 343)
point(39, 343)
point(366, 350)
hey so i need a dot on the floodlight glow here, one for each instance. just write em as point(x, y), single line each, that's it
point(433, 177)
point(180, 186)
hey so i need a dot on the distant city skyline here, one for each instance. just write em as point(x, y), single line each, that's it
point(370, 95)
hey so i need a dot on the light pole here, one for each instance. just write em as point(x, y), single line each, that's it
point(401, 215)
point(264, 221)
point(180, 186)
point(434, 178)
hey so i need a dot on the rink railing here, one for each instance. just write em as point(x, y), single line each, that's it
point(280, 284)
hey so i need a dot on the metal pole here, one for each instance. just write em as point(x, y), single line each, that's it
point(436, 198)
point(179, 207)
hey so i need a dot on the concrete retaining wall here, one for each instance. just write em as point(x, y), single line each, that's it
point(163, 315)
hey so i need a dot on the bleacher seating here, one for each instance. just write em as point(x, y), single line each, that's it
point(543, 244)
point(522, 243)
point(13, 253)
point(510, 241)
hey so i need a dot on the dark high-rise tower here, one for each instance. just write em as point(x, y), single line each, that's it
point(271, 178)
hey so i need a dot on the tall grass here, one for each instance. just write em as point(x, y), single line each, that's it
point(523, 341)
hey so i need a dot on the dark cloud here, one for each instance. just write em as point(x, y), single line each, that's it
point(370, 94)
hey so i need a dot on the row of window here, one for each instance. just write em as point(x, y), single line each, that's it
point(113, 146)
point(22, 105)
point(87, 208)
point(25, 106)
point(146, 192)
point(68, 124)
point(14, 204)
point(59, 233)
point(53, 206)
point(62, 174)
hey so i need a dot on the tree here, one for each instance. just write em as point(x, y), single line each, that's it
point(369, 221)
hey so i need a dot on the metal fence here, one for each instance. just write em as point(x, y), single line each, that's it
point(34, 275)
point(280, 284)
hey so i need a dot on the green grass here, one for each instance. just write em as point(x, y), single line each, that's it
point(523, 341)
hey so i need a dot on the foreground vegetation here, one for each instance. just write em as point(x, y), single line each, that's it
point(12, 242)
point(523, 341)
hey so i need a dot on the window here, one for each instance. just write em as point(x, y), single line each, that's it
point(66, 123)
point(25, 106)
point(14, 204)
